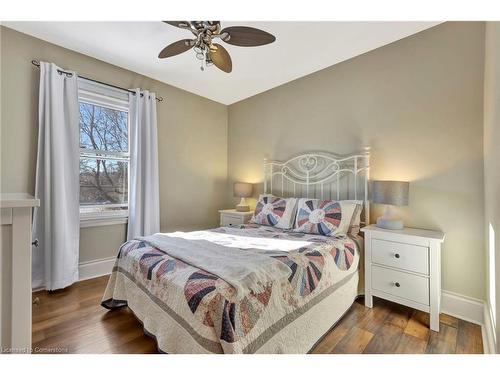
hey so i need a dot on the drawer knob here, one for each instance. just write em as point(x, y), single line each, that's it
point(396, 255)
point(397, 284)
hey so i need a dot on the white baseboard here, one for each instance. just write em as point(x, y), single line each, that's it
point(472, 310)
point(489, 334)
point(90, 270)
point(95, 268)
point(462, 307)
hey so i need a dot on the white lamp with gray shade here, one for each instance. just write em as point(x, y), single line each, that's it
point(242, 190)
point(390, 193)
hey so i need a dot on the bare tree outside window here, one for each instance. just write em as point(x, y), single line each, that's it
point(104, 156)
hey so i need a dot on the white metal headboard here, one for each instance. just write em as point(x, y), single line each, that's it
point(321, 175)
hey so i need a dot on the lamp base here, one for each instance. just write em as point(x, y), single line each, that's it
point(240, 208)
point(243, 206)
point(389, 223)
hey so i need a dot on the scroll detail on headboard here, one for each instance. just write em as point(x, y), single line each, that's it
point(321, 175)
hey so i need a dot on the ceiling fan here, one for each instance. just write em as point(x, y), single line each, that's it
point(212, 53)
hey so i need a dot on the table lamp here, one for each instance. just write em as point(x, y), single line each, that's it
point(242, 190)
point(390, 193)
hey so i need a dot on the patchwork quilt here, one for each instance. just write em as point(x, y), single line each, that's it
point(205, 309)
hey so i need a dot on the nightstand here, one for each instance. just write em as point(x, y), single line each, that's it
point(231, 218)
point(404, 266)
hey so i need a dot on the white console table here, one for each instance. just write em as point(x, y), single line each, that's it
point(15, 327)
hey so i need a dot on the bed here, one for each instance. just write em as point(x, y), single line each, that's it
point(299, 285)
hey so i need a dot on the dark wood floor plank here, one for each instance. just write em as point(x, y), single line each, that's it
point(409, 344)
point(469, 338)
point(399, 316)
point(115, 336)
point(354, 342)
point(139, 345)
point(386, 340)
point(87, 337)
point(375, 317)
point(448, 320)
point(73, 319)
point(70, 318)
point(418, 325)
point(354, 315)
point(444, 342)
point(328, 342)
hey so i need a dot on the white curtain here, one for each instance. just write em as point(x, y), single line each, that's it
point(144, 196)
point(56, 222)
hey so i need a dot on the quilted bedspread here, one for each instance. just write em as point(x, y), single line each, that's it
point(206, 308)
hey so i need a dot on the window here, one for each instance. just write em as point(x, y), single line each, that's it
point(104, 154)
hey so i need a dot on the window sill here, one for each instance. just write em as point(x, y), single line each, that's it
point(100, 219)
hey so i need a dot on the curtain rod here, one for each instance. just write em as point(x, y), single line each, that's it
point(70, 74)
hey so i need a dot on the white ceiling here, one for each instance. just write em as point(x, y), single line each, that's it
point(301, 48)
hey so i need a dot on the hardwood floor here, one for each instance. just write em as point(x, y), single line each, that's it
point(392, 328)
point(72, 321)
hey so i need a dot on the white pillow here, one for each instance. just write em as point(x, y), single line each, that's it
point(326, 217)
point(355, 224)
point(275, 211)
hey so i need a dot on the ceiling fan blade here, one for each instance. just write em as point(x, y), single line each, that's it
point(244, 36)
point(176, 48)
point(180, 24)
point(221, 58)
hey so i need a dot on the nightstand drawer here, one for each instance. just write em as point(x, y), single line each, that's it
point(233, 218)
point(401, 284)
point(229, 221)
point(401, 255)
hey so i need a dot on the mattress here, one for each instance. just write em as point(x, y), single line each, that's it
point(190, 310)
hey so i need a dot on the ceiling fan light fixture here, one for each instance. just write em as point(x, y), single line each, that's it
point(213, 53)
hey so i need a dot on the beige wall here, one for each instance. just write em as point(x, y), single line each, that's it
point(418, 104)
point(492, 168)
point(192, 139)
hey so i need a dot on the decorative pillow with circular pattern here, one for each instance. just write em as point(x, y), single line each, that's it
point(328, 218)
point(274, 211)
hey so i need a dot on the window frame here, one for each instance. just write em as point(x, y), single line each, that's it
point(103, 96)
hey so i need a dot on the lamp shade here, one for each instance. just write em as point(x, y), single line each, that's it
point(242, 189)
point(395, 193)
